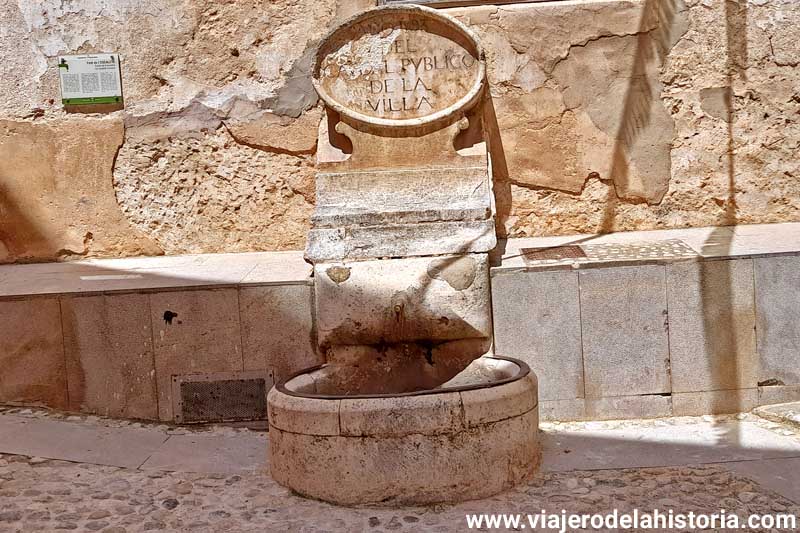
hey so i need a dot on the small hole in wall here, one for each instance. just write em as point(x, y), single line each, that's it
point(169, 316)
point(235, 52)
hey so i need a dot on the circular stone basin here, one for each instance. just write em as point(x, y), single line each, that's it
point(473, 437)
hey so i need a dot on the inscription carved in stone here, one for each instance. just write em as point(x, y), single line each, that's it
point(399, 65)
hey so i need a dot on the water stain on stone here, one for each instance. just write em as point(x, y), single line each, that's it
point(458, 272)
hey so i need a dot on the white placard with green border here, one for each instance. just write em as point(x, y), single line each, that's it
point(90, 79)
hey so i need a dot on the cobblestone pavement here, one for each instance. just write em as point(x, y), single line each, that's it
point(49, 495)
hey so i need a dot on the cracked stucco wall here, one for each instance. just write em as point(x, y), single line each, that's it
point(644, 114)
point(606, 115)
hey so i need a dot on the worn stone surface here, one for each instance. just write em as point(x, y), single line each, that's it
point(777, 280)
point(616, 407)
point(420, 239)
point(49, 494)
point(714, 402)
point(609, 408)
point(403, 196)
point(56, 195)
point(537, 319)
point(401, 300)
point(712, 338)
point(277, 133)
point(194, 332)
point(562, 409)
point(785, 413)
point(691, 469)
point(408, 469)
point(429, 414)
point(398, 65)
point(277, 329)
point(32, 353)
point(309, 416)
point(604, 118)
point(208, 52)
point(208, 193)
point(618, 125)
point(491, 404)
point(404, 83)
point(623, 320)
point(393, 368)
point(242, 64)
point(586, 97)
point(778, 394)
point(108, 343)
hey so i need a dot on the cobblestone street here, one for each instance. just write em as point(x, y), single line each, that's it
point(38, 494)
point(42, 495)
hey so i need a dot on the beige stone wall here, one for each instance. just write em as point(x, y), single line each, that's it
point(607, 115)
point(640, 115)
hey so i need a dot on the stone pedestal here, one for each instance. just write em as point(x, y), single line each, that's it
point(400, 236)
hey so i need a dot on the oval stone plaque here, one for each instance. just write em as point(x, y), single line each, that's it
point(400, 66)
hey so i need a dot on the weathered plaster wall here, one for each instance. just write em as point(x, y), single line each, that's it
point(640, 115)
point(606, 115)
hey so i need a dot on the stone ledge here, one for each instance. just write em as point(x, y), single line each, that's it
point(203, 271)
point(149, 274)
point(785, 413)
point(707, 244)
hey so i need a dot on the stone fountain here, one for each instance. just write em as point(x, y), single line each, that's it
point(412, 406)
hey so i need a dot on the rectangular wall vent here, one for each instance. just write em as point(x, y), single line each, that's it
point(224, 397)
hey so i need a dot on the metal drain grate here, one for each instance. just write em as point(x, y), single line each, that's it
point(645, 252)
point(669, 249)
point(552, 253)
point(220, 398)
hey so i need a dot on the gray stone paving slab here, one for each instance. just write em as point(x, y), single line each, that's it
point(780, 475)
point(277, 329)
point(280, 268)
point(624, 331)
point(667, 445)
point(152, 273)
point(211, 454)
point(712, 336)
point(539, 322)
point(32, 369)
point(777, 282)
point(714, 402)
point(108, 345)
point(56, 439)
point(785, 413)
point(757, 239)
point(203, 336)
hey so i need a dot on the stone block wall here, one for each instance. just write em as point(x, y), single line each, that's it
point(605, 115)
point(115, 354)
point(611, 341)
point(684, 338)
